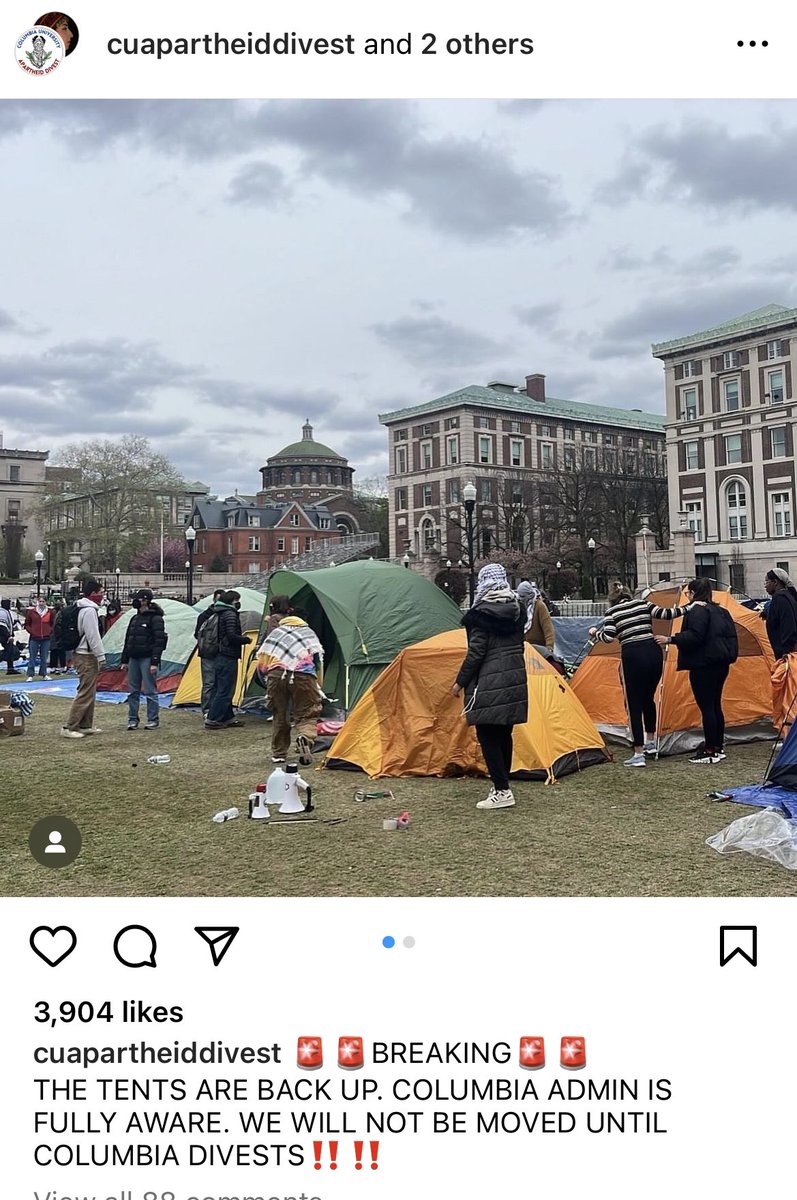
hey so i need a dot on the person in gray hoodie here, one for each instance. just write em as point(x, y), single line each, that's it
point(89, 659)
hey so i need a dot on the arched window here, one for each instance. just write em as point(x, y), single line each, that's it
point(736, 510)
point(428, 533)
point(314, 476)
point(297, 477)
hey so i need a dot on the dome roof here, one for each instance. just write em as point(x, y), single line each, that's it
point(307, 448)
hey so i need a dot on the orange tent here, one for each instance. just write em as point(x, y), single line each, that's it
point(746, 699)
point(408, 723)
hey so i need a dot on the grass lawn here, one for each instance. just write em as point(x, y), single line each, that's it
point(609, 831)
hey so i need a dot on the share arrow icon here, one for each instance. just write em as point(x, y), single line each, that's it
point(219, 938)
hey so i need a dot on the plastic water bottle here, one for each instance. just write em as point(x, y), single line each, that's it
point(157, 759)
point(226, 814)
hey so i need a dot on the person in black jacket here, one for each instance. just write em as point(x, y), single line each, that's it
point(698, 654)
point(225, 663)
point(145, 641)
point(493, 675)
point(205, 664)
point(781, 612)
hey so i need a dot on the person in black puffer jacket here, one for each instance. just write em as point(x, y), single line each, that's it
point(493, 675)
point(225, 663)
point(145, 641)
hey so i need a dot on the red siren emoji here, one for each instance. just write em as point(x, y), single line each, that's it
point(574, 1053)
point(309, 1054)
point(350, 1053)
point(532, 1053)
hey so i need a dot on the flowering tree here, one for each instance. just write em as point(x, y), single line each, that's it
point(149, 559)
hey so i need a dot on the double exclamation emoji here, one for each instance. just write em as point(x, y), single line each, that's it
point(358, 1155)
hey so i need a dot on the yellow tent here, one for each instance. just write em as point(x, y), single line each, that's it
point(746, 698)
point(408, 723)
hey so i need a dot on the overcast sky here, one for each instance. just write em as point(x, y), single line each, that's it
point(210, 273)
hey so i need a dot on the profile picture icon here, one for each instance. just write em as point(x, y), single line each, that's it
point(64, 26)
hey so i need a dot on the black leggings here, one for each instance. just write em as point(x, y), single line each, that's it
point(707, 684)
point(496, 744)
point(643, 664)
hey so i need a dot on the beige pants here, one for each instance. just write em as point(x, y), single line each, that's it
point(81, 714)
point(292, 696)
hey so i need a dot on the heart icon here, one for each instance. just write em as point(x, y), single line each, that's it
point(53, 945)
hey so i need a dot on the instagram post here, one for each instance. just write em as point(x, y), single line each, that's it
point(398, 602)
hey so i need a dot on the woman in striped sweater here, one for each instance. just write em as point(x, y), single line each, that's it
point(630, 621)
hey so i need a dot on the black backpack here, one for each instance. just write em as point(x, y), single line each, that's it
point(722, 643)
point(68, 629)
point(207, 639)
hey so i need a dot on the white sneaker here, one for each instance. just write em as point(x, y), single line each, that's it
point(650, 748)
point(495, 799)
point(72, 733)
point(93, 729)
point(636, 760)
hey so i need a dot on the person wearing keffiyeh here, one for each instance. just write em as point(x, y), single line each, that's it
point(539, 631)
point(291, 661)
point(493, 676)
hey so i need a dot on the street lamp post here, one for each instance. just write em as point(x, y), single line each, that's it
point(117, 573)
point(48, 572)
point(406, 561)
point(190, 538)
point(591, 544)
point(39, 560)
point(469, 497)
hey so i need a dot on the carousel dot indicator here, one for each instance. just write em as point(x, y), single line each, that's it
point(388, 942)
point(408, 943)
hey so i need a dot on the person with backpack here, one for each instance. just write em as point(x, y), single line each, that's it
point(707, 645)
point(205, 664)
point(221, 640)
point(57, 652)
point(145, 641)
point(80, 633)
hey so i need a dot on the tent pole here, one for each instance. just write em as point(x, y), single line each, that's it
point(347, 687)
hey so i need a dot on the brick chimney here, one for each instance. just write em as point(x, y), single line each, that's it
point(535, 387)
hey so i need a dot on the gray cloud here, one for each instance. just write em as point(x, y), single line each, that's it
point(462, 187)
point(431, 340)
point(542, 317)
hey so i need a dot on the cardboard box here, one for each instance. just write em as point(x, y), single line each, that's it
point(12, 722)
point(5, 699)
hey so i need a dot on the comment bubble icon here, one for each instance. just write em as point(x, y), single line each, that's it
point(135, 946)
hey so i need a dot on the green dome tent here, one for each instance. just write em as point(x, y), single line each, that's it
point(364, 613)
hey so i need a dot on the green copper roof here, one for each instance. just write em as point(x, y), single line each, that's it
point(770, 314)
point(484, 397)
point(306, 449)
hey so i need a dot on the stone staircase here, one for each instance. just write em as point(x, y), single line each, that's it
point(339, 550)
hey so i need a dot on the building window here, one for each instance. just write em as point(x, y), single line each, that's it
point(730, 359)
point(694, 509)
point(484, 449)
point(253, 521)
point(782, 566)
point(775, 387)
point(428, 537)
point(692, 455)
point(452, 491)
point(254, 568)
point(229, 545)
point(452, 450)
point(592, 436)
point(775, 349)
point(452, 423)
point(588, 458)
point(736, 502)
point(297, 477)
point(426, 456)
point(427, 495)
point(485, 491)
point(514, 427)
point(569, 458)
point(609, 439)
point(516, 452)
point(254, 543)
point(308, 543)
point(281, 544)
point(294, 545)
point(13, 474)
point(689, 369)
point(546, 454)
point(401, 460)
point(730, 388)
point(781, 514)
point(401, 502)
point(778, 441)
point(546, 431)
point(733, 448)
point(426, 430)
point(294, 518)
point(400, 435)
point(630, 441)
point(314, 476)
point(689, 404)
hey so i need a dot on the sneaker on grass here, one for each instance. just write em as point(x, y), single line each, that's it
point(705, 756)
point(70, 733)
point(650, 748)
point(503, 799)
point(636, 760)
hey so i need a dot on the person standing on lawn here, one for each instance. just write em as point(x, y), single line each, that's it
point(39, 625)
point(206, 664)
point(290, 660)
point(145, 641)
point(89, 659)
point(8, 646)
point(493, 675)
point(231, 640)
